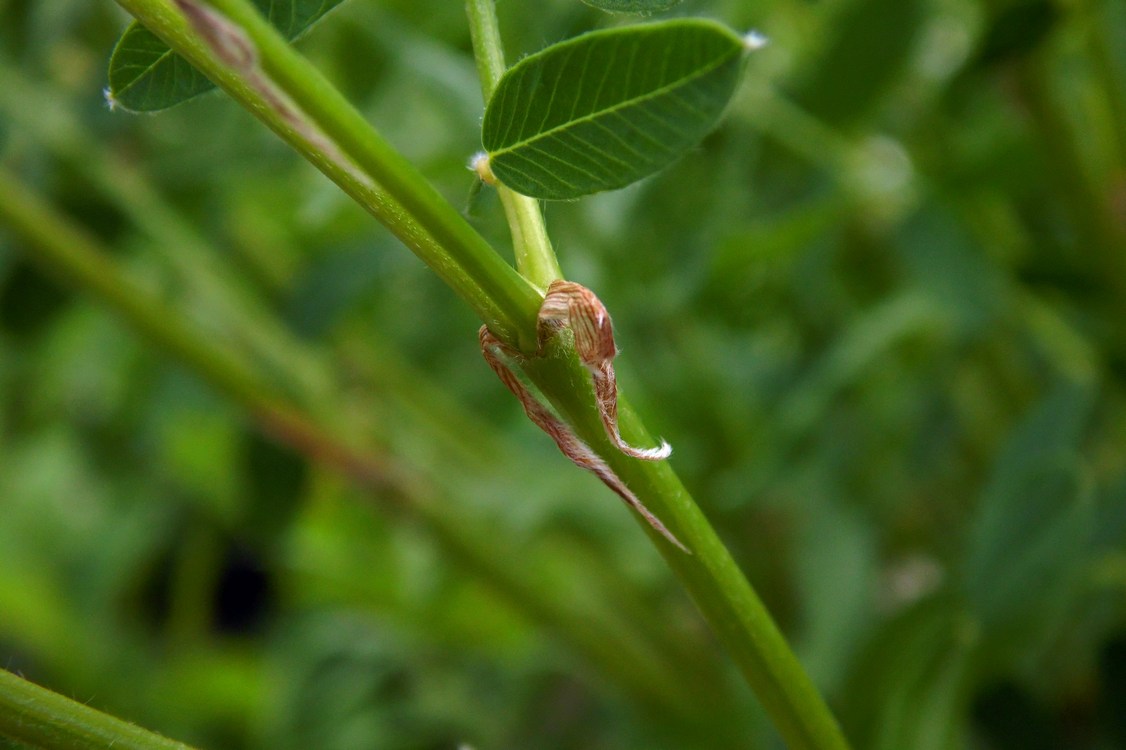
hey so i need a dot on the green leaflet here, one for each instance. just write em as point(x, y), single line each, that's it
point(632, 6)
point(146, 76)
point(608, 108)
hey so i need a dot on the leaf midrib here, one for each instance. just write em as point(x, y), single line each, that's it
point(144, 71)
point(700, 72)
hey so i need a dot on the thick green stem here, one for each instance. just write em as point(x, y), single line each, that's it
point(38, 717)
point(317, 123)
point(535, 258)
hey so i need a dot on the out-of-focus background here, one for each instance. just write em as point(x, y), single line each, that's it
point(880, 313)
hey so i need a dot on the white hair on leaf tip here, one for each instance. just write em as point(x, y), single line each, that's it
point(755, 40)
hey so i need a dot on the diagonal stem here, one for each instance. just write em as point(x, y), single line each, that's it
point(508, 305)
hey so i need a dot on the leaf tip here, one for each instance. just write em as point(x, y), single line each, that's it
point(754, 40)
point(111, 101)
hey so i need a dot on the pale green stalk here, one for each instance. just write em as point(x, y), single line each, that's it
point(40, 718)
point(535, 258)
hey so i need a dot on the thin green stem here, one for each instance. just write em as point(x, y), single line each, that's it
point(778, 118)
point(1100, 234)
point(197, 565)
point(72, 254)
point(35, 715)
point(348, 129)
point(535, 258)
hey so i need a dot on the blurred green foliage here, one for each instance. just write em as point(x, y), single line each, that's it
point(879, 314)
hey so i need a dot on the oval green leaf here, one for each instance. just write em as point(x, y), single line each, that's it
point(632, 6)
point(146, 76)
point(608, 108)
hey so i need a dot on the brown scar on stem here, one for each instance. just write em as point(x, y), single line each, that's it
point(571, 305)
point(231, 45)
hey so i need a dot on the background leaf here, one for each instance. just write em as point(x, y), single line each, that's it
point(908, 684)
point(146, 76)
point(632, 6)
point(865, 52)
point(607, 108)
point(1033, 527)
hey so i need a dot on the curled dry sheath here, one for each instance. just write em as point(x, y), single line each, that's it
point(571, 305)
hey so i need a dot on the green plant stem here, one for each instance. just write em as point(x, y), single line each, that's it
point(363, 144)
point(35, 715)
point(70, 253)
point(710, 574)
point(66, 251)
point(535, 258)
point(373, 174)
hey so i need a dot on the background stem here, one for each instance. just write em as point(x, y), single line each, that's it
point(617, 651)
point(50, 120)
point(35, 715)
